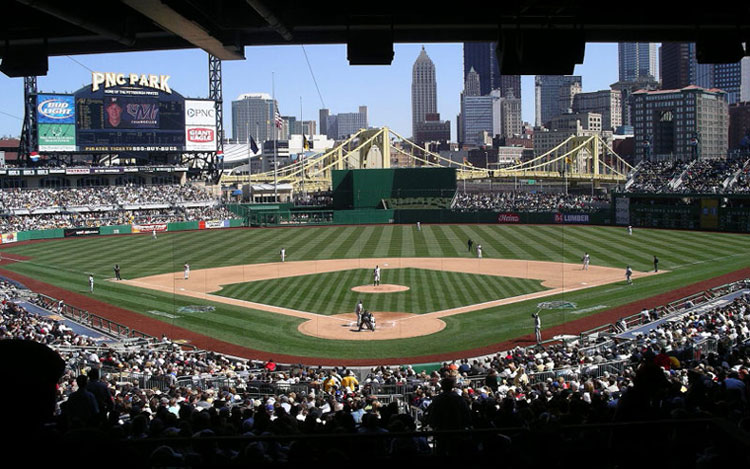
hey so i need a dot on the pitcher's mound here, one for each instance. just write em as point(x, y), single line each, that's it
point(383, 288)
point(388, 325)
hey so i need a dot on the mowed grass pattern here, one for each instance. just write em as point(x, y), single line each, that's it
point(430, 290)
point(689, 256)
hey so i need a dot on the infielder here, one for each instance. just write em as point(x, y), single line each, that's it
point(186, 270)
point(628, 274)
point(479, 251)
point(117, 272)
point(282, 253)
point(656, 264)
point(586, 259)
point(376, 276)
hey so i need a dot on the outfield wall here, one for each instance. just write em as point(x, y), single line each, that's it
point(30, 235)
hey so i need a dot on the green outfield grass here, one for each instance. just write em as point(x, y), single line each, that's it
point(690, 257)
point(429, 290)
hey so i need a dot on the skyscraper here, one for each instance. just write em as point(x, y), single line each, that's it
point(472, 86)
point(554, 95)
point(253, 114)
point(482, 58)
point(637, 60)
point(678, 65)
point(423, 91)
point(734, 79)
point(338, 126)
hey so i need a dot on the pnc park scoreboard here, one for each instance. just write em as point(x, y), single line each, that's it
point(122, 112)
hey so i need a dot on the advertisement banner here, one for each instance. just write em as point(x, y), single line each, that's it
point(579, 218)
point(508, 218)
point(201, 138)
point(77, 171)
point(211, 224)
point(622, 210)
point(68, 232)
point(57, 137)
point(9, 237)
point(148, 228)
point(55, 109)
point(200, 113)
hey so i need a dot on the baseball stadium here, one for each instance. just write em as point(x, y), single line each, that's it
point(172, 297)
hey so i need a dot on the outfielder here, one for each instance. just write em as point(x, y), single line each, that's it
point(91, 283)
point(153, 233)
point(479, 251)
point(282, 253)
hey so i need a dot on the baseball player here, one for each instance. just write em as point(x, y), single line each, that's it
point(479, 251)
point(537, 327)
point(628, 274)
point(630, 230)
point(186, 270)
point(153, 233)
point(376, 276)
point(586, 259)
point(656, 264)
point(91, 283)
point(282, 253)
point(470, 243)
point(419, 226)
point(117, 272)
point(358, 310)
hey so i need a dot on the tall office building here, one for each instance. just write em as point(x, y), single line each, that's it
point(637, 60)
point(479, 115)
point(677, 65)
point(423, 90)
point(339, 126)
point(734, 79)
point(482, 58)
point(253, 114)
point(472, 86)
point(554, 95)
point(608, 103)
point(682, 124)
point(511, 123)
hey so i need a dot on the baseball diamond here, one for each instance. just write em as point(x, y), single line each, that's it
point(281, 322)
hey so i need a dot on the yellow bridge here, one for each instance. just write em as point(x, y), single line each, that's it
point(575, 159)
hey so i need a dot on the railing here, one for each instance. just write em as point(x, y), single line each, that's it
point(93, 321)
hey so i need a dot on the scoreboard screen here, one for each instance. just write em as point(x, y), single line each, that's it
point(125, 113)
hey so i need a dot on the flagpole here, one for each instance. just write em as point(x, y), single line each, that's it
point(275, 137)
point(302, 158)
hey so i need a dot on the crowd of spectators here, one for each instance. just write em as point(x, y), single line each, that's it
point(317, 198)
point(529, 202)
point(103, 206)
point(30, 199)
point(662, 374)
point(709, 176)
point(654, 176)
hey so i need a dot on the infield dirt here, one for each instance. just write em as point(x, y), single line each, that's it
point(556, 276)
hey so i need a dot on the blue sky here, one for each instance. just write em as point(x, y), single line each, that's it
point(385, 90)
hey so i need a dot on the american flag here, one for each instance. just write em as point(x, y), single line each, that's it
point(277, 119)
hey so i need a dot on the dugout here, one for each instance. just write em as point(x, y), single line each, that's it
point(393, 188)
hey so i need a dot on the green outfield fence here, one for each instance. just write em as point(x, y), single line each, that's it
point(119, 229)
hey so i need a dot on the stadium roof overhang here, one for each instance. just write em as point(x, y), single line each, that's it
point(528, 29)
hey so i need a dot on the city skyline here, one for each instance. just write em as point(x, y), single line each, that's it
point(385, 90)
